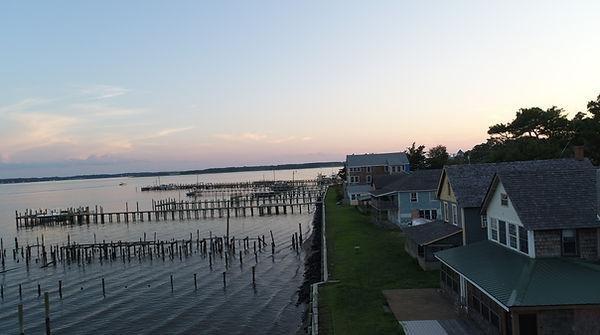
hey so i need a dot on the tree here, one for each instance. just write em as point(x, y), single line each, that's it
point(437, 157)
point(342, 173)
point(416, 157)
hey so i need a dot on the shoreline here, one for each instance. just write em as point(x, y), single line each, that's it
point(279, 167)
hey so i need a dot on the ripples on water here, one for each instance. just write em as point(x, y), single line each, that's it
point(138, 293)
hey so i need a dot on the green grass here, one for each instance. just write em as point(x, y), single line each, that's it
point(355, 304)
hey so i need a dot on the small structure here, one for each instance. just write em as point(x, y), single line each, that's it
point(424, 240)
point(401, 198)
point(538, 270)
point(361, 170)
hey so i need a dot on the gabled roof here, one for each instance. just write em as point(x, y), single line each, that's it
point(513, 279)
point(470, 182)
point(392, 158)
point(551, 199)
point(430, 232)
point(418, 180)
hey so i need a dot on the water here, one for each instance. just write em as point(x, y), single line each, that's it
point(139, 298)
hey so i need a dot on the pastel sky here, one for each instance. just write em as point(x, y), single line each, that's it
point(117, 86)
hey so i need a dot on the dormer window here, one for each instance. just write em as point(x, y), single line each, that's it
point(504, 199)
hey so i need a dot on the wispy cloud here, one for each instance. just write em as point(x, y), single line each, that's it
point(170, 131)
point(259, 137)
point(99, 92)
point(101, 110)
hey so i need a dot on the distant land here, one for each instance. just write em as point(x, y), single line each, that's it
point(297, 166)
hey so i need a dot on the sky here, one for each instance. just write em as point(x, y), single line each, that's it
point(123, 86)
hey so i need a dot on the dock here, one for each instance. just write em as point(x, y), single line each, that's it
point(259, 204)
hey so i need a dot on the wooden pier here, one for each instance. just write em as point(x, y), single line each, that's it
point(170, 209)
point(274, 185)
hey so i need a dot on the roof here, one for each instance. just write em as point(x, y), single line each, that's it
point(392, 158)
point(418, 180)
point(430, 232)
point(470, 182)
point(380, 181)
point(552, 199)
point(360, 188)
point(514, 279)
point(598, 189)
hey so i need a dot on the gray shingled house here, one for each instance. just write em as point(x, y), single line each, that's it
point(401, 198)
point(362, 169)
point(462, 188)
point(538, 270)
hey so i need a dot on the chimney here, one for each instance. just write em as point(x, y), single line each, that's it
point(579, 152)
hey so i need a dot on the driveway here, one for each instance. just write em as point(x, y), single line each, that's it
point(426, 312)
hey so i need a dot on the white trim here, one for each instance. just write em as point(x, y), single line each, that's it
point(531, 243)
point(454, 214)
point(446, 216)
point(475, 284)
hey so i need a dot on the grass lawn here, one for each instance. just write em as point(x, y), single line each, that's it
point(355, 304)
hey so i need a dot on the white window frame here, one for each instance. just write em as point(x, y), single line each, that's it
point(369, 179)
point(484, 221)
point(416, 196)
point(446, 216)
point(509, 236)
point(494, 228)
point(368, 169)
point(454, 214)
point(504, 199)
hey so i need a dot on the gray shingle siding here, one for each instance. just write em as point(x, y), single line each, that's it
point(470, 182)
point(553, 199)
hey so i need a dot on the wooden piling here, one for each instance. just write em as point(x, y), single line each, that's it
point(47, 312)
point(21, 322)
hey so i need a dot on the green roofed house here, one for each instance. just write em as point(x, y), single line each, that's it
point(538, 271)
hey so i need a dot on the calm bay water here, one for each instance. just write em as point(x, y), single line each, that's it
point(139, 298)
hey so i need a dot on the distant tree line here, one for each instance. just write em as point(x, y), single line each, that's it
point(534, 133)
point(295, 166)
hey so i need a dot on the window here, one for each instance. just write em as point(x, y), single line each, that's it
point(504, 199)
point(523, 242)
point(494, 229)
point(448, 187)
point(483, 221)
point(429, 214)
point(454, 215)
point(512, 235)
point(446, 211)
point(354, 179)
point(368, 169)
point(387, 169)
point(369, 179)
point(502, 231)
point(353, 196)
point(414, 197)
point(569, 242)
point(450, 278)
point(401, 168)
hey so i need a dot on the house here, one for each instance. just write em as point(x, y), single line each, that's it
point(361, 169)
point(423, 241)
point(403, 197)
point(538, 269)
point(462, 188)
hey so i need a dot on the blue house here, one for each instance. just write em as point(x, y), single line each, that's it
point(407, 196)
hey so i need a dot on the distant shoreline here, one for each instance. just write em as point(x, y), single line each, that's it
point(299, 166)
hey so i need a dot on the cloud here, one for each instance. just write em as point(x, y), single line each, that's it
point(170, 131)
point(100, 110)
point(99, 92)
point(258, 137)
point(241, 137)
